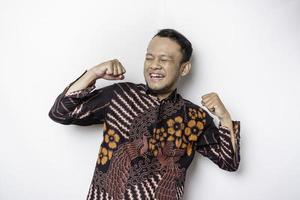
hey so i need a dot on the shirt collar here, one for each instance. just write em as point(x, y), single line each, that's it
point(172, 97)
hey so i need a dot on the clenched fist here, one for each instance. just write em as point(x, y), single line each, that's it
point(109, 70)
point(214, 104)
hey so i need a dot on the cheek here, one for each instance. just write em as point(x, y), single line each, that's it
point(172, 74)
point(145, 68)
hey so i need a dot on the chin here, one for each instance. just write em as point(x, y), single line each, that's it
point(154, 86)
point(158, 88)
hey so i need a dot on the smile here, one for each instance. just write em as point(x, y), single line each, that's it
point(156, 77)
point(153, 75)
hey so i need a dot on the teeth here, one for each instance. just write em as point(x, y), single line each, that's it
point(156, 75)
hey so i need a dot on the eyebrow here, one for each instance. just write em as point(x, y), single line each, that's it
point(162, 55)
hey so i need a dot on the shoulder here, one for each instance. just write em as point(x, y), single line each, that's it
point(127, 86)
point(190, 104)
point(195, 109)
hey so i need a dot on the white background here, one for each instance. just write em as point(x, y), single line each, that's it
point(246, 51)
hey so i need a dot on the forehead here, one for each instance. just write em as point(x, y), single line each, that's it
point(163, 46)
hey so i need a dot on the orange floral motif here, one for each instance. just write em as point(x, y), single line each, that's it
point(184, 142)
point(189, 149)
point(159, 139)
point(183, 145)
point(203, 114)
point(192, 130)
point(183, 135)
point(193, 113)
point(178, 142)
point(175, 128)
point(196, 113)
point(153, 146)
point(104, 155)
point(160, 134)
point(112, 139)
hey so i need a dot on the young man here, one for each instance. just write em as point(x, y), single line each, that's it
point(150, 132)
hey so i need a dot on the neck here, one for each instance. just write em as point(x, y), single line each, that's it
point(163, 96)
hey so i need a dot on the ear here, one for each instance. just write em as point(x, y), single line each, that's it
point(185, 68)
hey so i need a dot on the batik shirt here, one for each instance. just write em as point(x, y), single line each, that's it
point(148, 144)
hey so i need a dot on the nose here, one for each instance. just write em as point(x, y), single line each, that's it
point(155, 64)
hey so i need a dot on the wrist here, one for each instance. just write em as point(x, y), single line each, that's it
point(91, 75)
point(225, 117)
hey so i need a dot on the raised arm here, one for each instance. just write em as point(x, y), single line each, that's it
point(220, 144)
point(79, 104)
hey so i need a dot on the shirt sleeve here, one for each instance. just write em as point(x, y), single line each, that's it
point(82, 107)
point(215, 144)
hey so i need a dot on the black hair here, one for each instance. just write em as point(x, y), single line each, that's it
point(184, 43)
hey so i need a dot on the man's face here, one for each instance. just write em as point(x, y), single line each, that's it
point(162, 64)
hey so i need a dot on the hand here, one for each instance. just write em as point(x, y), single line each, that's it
point(109, 70)
point(214, 104)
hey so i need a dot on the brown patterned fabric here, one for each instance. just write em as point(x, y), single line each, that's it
point(148, 144)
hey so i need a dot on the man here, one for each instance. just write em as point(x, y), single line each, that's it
point(151, 132)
